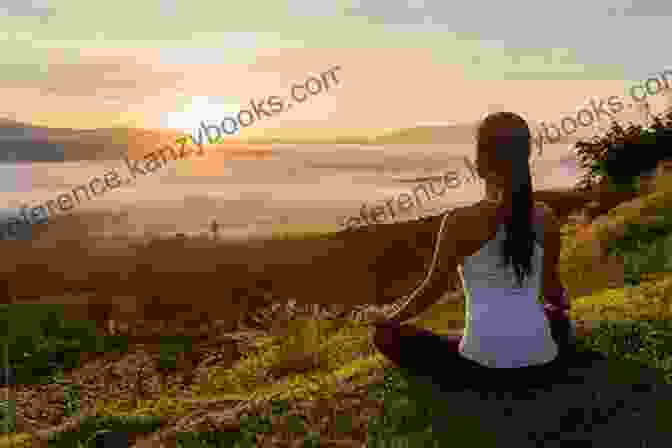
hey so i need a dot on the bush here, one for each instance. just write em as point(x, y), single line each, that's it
point(648, 258)
point(622, 154)
point(646, 342)
point(650, 300)
point(645, 246)
point(40, 341)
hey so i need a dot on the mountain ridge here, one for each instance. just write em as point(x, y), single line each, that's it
point(21, 141)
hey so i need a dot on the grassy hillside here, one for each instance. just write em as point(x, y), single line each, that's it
point(294, 370)
point(267, 341)
point(301, 365)
point(23, 141)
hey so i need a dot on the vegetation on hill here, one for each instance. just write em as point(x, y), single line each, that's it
point(624, 153)
point(314, 375)
point(287, 382)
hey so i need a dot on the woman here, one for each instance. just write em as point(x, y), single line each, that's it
point(505, 249)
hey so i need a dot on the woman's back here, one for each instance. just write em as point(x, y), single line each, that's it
point(505, 250)
point(505, 324)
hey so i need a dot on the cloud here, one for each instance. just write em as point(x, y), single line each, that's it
point(26, 8)
point(649, 9)
point(403, 12)
point(483, 15)
point(110, 78)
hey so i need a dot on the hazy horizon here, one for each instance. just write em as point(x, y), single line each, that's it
point(310, 186)
point(380, 68)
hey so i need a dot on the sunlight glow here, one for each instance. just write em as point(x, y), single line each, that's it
point(201, 108)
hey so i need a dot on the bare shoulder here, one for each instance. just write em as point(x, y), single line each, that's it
point(478, 212)
point(478, 221)
point(467, 229)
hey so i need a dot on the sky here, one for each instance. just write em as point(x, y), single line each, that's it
point(172, 63)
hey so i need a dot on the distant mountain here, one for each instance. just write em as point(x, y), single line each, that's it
point(418, 135)
point(31, 143)
point(309, 140)
point(458, 133)
point(311, 136)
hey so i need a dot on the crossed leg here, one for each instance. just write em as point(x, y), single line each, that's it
point(424, 353)
point(427, 354)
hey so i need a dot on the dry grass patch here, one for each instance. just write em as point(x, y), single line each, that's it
point(651, 300)
point(311, 361)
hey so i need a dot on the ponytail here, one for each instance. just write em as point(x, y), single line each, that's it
point(505, 138)
point(518, 247)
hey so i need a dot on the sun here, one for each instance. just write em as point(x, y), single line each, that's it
point(201, 108)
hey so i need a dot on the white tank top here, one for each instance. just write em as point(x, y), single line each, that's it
point(505, 325)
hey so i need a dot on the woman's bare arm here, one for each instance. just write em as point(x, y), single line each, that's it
point(465, 231)
point(554, 292)
point(555, 295)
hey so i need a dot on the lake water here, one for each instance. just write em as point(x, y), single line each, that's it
point(299, 187)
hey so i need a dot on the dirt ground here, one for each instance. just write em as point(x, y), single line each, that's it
point(211, 291)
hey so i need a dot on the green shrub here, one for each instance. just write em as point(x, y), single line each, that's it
point(623, 153)
point(31, 333)
point(651, 300)
point(645, 247)
point(7, 416)
point(654, 257)
point(647, 343)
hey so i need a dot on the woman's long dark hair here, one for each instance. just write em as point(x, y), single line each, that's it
point(504, 139)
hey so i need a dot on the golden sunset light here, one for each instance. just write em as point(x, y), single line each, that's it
point(200, 109)
point(260, 208)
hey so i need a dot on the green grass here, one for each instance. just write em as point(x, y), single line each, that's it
point(90, 426)
point(410, 402)
point(646, 248)
point(637, 233)
point(7, 416)
point(650, 258)
point(411, 406)
point(33, 332)
point(72, 394)
point(635, 336)
point(647, 343)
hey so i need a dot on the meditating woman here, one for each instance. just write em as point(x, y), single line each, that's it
point(505, 248)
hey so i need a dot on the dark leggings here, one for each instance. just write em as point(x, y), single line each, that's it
point(437, 357)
